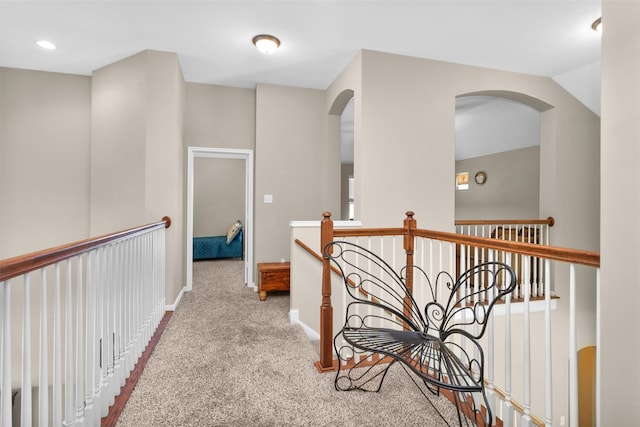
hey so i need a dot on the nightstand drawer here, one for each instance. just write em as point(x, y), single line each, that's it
point(274, 276)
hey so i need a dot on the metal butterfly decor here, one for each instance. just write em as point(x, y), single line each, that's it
point(440, 345)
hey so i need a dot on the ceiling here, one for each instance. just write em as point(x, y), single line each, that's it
point(212, 39)
point(319, 38)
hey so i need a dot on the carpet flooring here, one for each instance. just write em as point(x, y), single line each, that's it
point(228, 359)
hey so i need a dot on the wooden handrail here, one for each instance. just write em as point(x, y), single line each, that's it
point(16, 266)
point(363, 232)
point(550, 221)
point(576, 256)
point(556, 253)
point(519, 407)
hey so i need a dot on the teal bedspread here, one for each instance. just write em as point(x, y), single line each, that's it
point(216, 247)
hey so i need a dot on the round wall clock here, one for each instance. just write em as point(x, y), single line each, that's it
point(481, 177)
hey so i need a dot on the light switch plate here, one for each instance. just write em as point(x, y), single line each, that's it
point(268, 198)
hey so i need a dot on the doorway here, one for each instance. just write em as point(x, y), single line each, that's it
point(221, 153)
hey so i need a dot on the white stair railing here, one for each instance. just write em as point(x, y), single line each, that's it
point(528, 379)
point(534, 231)
point(75, 319)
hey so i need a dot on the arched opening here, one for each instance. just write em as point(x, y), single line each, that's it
point(498, 148)
point(343, 106)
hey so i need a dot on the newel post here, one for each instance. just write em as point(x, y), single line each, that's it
point(409, 241)
point(326, 310)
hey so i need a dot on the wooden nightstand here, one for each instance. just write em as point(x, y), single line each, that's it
point(274, 276)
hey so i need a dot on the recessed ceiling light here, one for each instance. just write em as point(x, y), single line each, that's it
point(597, 25)
point(46, 44)
point(266, 43)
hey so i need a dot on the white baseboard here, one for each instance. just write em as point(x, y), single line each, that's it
point(295, 320)
point(173, 306)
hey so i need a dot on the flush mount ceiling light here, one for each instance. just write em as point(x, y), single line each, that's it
point(46, 44)
point(597, 25)
point(266, 43)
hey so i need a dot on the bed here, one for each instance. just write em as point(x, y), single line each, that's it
point(216, 247)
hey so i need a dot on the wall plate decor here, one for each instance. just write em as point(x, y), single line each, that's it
point(481, 177)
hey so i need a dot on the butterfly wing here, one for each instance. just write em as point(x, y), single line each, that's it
point(379, 296)
point(383, 323)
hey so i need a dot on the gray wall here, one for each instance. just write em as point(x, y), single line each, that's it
point(620, 206)
point(294, 164)
point(45, 130)
point(219, 117)
point(218, 195)
point(512, 188)
point(137, 154)
point(404, 137)
point(404, 133)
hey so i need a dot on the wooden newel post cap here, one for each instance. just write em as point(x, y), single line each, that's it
point(326, 215)
point(410, 214)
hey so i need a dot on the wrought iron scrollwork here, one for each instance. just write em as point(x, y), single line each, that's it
point(385, 325)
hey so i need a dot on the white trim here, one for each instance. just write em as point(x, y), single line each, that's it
point(222, 153)
point(172, 307)
point(295, 320)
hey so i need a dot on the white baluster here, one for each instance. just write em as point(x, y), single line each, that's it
point(507, 406)
point(137, 299)
point(526, 419)
point(106, 332)
point(573, 350)
point(80, 337)
point(101, 404)
point(5, 357)
point(99, 356)
point(490, 364)
point(547, 323)
point(154, 279)
point(423, 285)
point(148, 291)
point(70, 413)
point(121, 372)
point(57, 351)
point(128, 317)
point(368, 268)
point(43, 371)
point(115, 380)
point(92, 343)
point(25, 414)
point(43, 359)
point(160, 268)
point(536, 283)
point(344, 294)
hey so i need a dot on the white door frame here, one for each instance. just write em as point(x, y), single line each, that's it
point(222, 153)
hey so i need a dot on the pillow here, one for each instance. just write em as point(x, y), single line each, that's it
point(233, 231)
